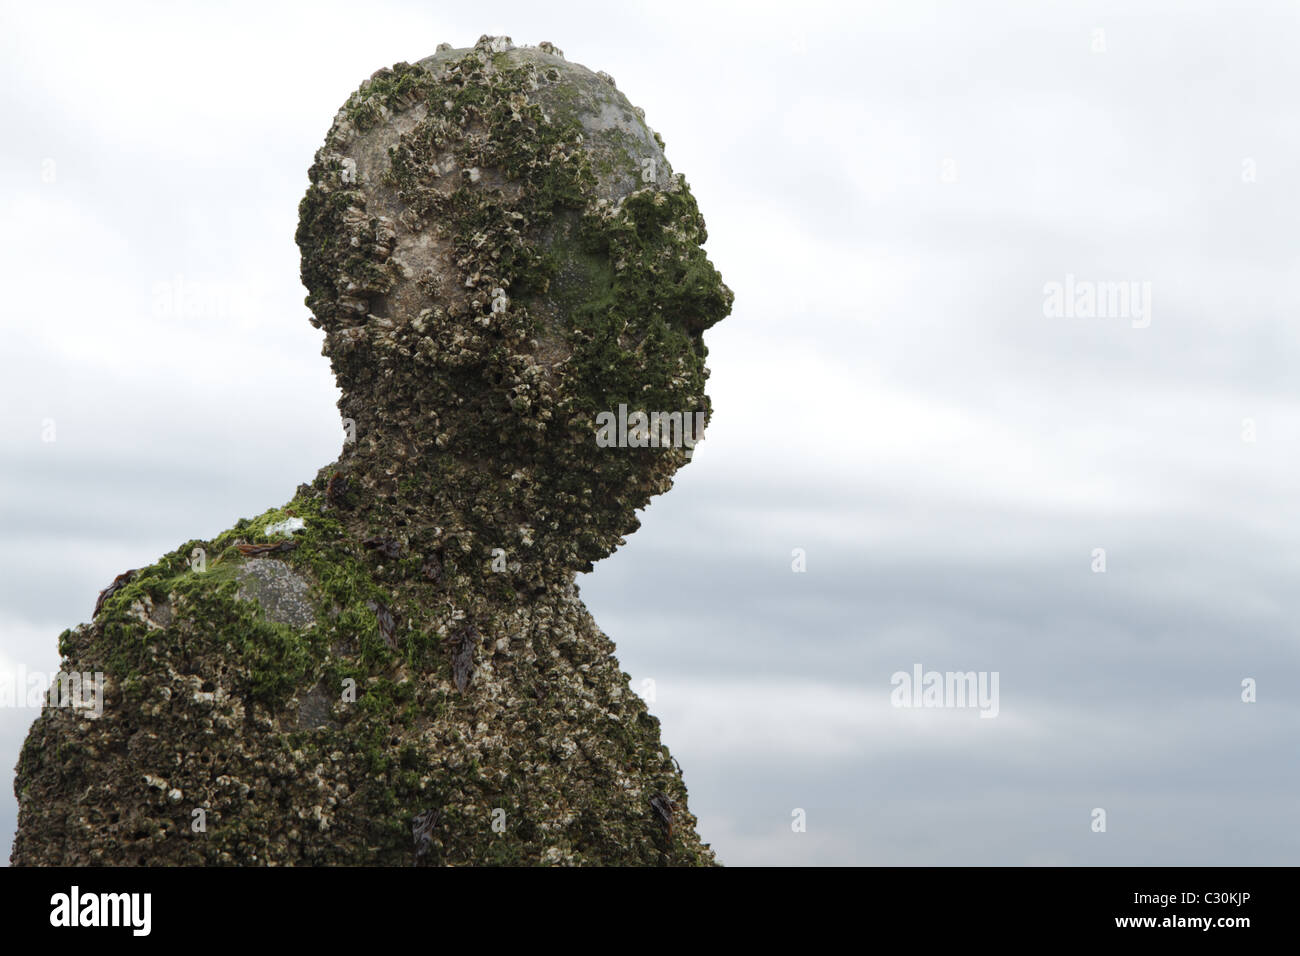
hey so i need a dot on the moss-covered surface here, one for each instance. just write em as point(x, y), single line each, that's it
point(558, 291)
point(209, 706)
point(490, 273)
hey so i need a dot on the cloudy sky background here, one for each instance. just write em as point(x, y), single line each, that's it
point(888, 189)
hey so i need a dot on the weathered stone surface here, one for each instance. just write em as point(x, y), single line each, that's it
point(497, 251)
point(284, 596)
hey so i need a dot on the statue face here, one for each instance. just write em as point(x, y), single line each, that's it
point(500, 255)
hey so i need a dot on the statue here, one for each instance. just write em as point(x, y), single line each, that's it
point(395, 667)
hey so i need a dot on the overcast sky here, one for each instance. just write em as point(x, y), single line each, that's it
point(890, 189)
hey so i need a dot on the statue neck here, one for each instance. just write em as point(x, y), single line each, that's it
point(494, 525)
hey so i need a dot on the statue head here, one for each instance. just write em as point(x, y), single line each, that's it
point(505, 266)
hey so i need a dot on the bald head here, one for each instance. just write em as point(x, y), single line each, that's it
point(498, 252)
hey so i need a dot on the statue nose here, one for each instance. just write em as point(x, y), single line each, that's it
point(701, 299)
